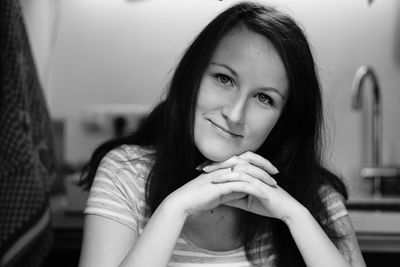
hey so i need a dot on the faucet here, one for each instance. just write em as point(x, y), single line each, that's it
point(376, 126)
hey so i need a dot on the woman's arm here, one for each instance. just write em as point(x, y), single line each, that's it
point(350, 243)
point(273, 201)
point(110, 243)
point(157, 241)
point(155, 244)
point(315, 246)
point(105, 241)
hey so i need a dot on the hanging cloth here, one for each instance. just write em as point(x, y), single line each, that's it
point(27, 157)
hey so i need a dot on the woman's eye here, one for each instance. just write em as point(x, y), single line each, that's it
point(263, 98)
point(224, 79)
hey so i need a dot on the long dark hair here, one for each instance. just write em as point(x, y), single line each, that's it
point(293, 146)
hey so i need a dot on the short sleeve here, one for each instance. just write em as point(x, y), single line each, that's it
point(118, 190)
point(334, 202)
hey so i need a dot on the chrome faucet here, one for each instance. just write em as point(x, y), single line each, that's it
point(359, 79)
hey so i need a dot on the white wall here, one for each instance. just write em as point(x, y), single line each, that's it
point(110, 51)
point(40, 17)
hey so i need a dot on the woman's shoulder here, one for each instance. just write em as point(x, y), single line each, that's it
point(130, 158)
point(118, 189)
point(331, 184)
point(333, 195)
point(328, 193)
point(131, 152)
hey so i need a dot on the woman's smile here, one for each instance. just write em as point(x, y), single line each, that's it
point(224, 132)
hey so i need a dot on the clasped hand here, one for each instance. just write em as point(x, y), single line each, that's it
point(243, 182)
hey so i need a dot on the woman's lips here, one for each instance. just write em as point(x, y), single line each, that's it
point(226, 131)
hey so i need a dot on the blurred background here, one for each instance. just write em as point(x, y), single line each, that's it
point(103, 64)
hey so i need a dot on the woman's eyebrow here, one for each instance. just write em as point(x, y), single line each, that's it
point(225, 66)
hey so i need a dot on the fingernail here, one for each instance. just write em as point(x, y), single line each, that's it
point(274, 181)
point(206, 168)
point(201, 166)
point(275, 170)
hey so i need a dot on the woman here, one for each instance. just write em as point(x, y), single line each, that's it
point(227, 170)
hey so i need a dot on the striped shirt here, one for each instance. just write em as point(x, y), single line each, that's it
point(118, 193)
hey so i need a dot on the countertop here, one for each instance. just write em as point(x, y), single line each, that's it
point(376, 230)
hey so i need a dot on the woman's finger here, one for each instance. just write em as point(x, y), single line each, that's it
point(219, 172)
point(203, 164)
point(238, 187)
point(259, 161)
point(254, 172)
point(243, 177)
point(232, 161)
point(248, 157)
point(241, 182)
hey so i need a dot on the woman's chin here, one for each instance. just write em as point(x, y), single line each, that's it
point(218, 156)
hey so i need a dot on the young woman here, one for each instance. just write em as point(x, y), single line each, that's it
point(227, 170)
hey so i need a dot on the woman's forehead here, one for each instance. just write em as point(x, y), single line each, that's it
point(251, 56)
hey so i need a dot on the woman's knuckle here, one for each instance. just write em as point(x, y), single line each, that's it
point(247, 167)
point(235, 158)
point(257, 183)
point(243, 165)
point(219, 188)
point(244, 154)
point(241, 176)
point(238, 167)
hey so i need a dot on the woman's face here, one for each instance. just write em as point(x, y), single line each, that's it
point(241, 96)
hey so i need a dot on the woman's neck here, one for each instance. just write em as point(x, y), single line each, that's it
point(215, 229)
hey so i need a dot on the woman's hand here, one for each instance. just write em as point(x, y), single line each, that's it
point(201, 193)
point(209, 190)
point(264, 197)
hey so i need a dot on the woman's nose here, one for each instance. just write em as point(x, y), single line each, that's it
point(234, 110)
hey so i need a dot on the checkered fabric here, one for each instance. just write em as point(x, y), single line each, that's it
point(27, 158)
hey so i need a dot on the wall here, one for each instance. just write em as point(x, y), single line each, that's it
point(103, 51)
point(40, 17)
